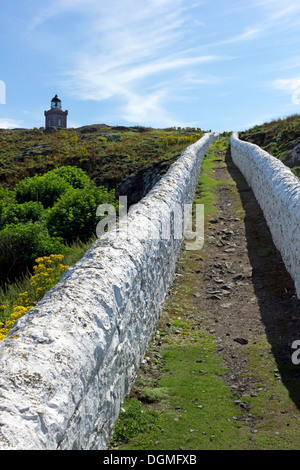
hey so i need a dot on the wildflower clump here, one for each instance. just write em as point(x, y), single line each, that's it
point(46, 272)
point(171, 140)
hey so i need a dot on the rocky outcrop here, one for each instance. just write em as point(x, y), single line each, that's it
point(139, 183)
point(292, 158)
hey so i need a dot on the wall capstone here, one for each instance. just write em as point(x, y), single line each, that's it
point(277, 191)
point(67, 365)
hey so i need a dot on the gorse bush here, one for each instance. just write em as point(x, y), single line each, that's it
point(44, 214)
point(73, 216)
point(17, 213)
point(45, 189)
point(47, 271)
point(171, 140)
point(21, 243)
point(72, 175)
point(7, 195)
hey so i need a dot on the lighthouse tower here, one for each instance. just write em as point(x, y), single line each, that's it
point(56, 117)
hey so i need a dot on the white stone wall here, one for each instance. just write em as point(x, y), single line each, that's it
point(277, 191)
point(67, 365)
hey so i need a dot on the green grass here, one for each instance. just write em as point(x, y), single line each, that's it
point(151, 395)
point(179, 323)
point(296, 171)
point(207, 185)
point(275, 411)
point(133, 420)
point(196, 409)
point(206, 188)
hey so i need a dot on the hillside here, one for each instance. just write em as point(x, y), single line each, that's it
point(112, 161)
point(107, 154)
point(280, 137)
point(52, 181)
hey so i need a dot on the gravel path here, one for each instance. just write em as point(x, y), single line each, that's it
point(244, 287)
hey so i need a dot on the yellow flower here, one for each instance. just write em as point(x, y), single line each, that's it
point(18, 312)
point(47, 272)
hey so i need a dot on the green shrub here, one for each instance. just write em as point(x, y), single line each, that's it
point(21, 244)
point(45, 189)
point(16, 213)
point(7, 195)
point(73, 216)
point(2, 213)
point(72, 175)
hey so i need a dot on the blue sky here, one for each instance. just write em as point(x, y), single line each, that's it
point(221, 65)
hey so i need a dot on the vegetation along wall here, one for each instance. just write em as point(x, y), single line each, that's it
point(68, 363)
point(277, 191)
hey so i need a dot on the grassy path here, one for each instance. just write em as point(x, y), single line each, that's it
point(218, 374)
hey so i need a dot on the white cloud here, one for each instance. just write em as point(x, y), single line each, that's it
point(132, 52)
point(154, 67)
point(58, 7)
point(145, 54)
point(278, 8)
point(7, 123)
point(277, 16)
point(92, 81)
point(248, 34)
point(288, 63)
point(291, 85)
point(142, 98)
point(2, 92)
point(147, 109)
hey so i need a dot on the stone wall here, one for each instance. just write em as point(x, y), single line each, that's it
point(277, 191)
point(67, 365)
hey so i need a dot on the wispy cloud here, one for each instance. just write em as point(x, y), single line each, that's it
point(55, 8)
point(290, 85)
point(276, 14)
point(7, 123)
point(145, 54)
point(110, 77)
point(248, 34)
point(132, 52)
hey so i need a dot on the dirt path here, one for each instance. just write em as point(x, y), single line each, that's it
point(245, 289)
point(246, 300)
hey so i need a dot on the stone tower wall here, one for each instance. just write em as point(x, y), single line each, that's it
point(56, 118)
